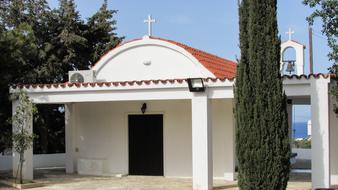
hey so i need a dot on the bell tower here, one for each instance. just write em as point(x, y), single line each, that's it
point(293, 65)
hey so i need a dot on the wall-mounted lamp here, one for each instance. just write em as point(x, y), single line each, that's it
point(144, 108)
point(196, 85)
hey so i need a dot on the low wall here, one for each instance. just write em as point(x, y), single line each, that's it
point(39, 161)
point(304, 154)
point(5, 162)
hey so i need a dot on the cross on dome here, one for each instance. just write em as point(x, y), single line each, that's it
point(150, 22)
point(290, 32)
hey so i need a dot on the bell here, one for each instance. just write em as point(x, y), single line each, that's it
point(290, 67)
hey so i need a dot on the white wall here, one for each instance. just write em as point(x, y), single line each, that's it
point(302, 153)
point(48, 160)
point(102, 133)
point(5, 163)
point(223, 139)
point(39, 161)
point(164, 60)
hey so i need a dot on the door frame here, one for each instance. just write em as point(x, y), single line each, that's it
point(126, 134)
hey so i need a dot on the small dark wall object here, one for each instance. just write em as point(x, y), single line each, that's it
point(144, 108)
point(324, 189)
point(289, 101)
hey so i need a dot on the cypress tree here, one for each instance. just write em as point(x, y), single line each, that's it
point(262, 131)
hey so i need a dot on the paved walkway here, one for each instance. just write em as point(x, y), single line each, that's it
point(61, 181)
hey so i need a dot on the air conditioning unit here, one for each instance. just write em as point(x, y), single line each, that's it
point(81, 76)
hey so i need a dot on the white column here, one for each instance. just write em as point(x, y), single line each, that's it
point(320, 133)
point(70, 138)
point(289, 110)
point(201, 143)
point(27, 168)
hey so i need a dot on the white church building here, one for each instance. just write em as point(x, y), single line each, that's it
point(157, 107)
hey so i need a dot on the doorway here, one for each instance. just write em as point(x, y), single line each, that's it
point(145, 144)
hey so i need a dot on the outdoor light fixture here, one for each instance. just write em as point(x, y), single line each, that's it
point(143, 108)
point(196, 85)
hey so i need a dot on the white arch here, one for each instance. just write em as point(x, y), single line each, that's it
point(197, 69)
point(299, 48)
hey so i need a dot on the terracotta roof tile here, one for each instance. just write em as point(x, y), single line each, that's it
point(220, 67)
point(159, 81)
point(316, 76)
point(110, 84)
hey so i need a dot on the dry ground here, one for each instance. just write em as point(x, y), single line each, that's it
point(57, 180)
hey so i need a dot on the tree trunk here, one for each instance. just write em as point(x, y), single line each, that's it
point(21, 164)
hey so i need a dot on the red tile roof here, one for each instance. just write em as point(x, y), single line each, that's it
point(220, 67)
point(118, 83)
point(315, 76)
point(164, 81)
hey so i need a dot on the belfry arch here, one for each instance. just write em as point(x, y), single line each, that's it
point(298, 62)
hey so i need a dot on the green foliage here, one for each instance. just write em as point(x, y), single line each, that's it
point(326, 10)
point(40, 45)
point(101, 35)
point(22, 136)
point(22, 139)
point(304, 143)
point(262, 132)
point(51, 131)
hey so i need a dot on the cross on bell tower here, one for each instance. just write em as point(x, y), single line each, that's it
point(150, 22)
point(292, 56)
point(290, 32)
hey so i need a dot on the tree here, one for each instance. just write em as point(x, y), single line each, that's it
point(101, 33)
point(22, 138)
point(17, 49)
point(40, 45)
point(69, 43)
point(327, 11)
point(262, 131)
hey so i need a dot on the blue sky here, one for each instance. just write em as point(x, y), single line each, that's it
point(211, 26)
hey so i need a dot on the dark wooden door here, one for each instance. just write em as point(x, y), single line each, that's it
point(146, 145)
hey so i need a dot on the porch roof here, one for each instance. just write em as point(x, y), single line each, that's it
point(156, 83)
point(296, 87)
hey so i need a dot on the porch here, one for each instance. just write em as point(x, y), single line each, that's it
point(97, 124)
point(198, 108)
